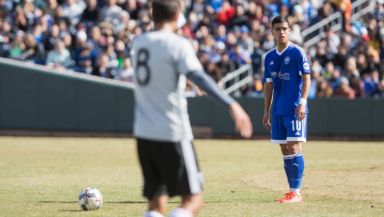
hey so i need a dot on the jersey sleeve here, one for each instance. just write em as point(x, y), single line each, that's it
point(186, 59)
point(267, 71)
point(303, 63)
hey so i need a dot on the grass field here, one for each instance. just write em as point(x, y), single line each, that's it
point(43, 176)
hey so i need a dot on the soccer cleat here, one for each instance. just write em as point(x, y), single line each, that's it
point(290, 197)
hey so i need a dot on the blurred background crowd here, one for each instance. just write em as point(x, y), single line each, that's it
point(94, 37)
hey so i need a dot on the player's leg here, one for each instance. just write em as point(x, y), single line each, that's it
point(157, 206)
point(189, 207)
point(292, 151)
point(297, 134)
point(187, 183)
point(296, 166)
point(279, 136)
point(154, 188)
point(287, 162)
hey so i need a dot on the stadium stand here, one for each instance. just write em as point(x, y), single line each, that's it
point(94, 37)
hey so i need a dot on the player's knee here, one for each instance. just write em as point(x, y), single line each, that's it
point(294, 148)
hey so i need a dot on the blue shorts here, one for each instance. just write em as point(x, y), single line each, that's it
point(288, 128)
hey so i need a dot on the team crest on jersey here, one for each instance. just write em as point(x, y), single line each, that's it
point(287, 60)
point(306, 66)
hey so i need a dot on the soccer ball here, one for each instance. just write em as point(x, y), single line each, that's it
point(90, 199)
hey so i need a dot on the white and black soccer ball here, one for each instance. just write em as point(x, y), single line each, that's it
point(90, 199)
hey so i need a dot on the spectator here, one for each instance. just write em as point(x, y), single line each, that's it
point(335, 78)
point(240, 18)
point(344, 90)
point(353, 76)
point(372, 84)
point(84, 59)
point(59, 57)
point(21, 22)
point(256, 58)
point(324, 90)
point(103, 68)
point(316, 71)
point(226, 13)
point(226, 65)
point(381, 89)
point(125, 73)
point(110, 12)
point(90, 14)
point(33, 52)
point(6, 32)
point(51, 37)
point(17, 46)
point(72, 10)
point(245, 41)
point(239, 56)
point(256, 88)
point(345, 6)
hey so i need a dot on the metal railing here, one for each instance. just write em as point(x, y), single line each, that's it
point(315, 33)
point(233, 81)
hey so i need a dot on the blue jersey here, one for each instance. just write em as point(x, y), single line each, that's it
point(284, 69)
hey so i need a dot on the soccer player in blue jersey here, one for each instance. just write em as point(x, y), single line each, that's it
point(287, 81)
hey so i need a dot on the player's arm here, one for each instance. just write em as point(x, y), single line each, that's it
point(300, 110)
point(268, 90)
point(239, 116)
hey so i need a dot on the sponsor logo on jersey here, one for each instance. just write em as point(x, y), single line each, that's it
point(271, 63)
point(297, 133)
point(281, 75)
point(284, 76)
point(287, 60)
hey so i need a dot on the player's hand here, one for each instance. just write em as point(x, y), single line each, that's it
point(300, 112)
point(242, 121)
point(266, 121)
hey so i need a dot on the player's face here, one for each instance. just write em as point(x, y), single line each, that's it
point(280, 32)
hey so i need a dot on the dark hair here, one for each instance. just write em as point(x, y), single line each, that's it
point(165, 10)
point(279, 19)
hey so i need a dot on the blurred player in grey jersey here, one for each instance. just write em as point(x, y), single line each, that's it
point(163, 62)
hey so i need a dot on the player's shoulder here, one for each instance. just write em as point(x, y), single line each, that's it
point(178, 40)
point(297, 49)
point(270, 53)
point(160, 37)
point(138, 39)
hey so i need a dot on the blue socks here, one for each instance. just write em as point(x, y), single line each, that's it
point(294, 168)
point(287, 168)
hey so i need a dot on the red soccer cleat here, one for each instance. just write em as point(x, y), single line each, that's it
point(290, 197)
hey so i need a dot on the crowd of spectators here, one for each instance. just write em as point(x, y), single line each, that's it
point(94, 37)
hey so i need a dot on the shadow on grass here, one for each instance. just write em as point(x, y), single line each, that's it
point(72, 210)
point(107, 202)
point(55, 201)
point(75, 210)
point(140, 202)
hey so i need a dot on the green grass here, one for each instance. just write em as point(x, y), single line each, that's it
point(43, 176)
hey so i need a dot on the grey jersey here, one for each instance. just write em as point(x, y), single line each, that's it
point(162, 60)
